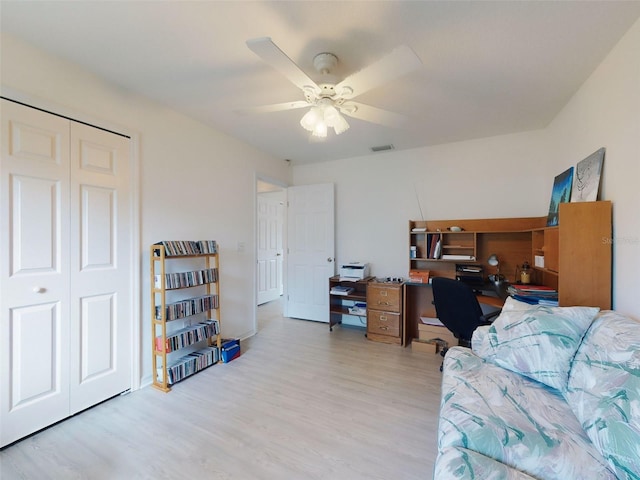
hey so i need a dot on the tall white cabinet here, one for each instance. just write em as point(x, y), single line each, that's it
point(65, 268)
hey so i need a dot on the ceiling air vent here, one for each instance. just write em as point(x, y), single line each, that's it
point(382, 148)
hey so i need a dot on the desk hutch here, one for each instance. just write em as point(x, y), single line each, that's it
point(577, 255)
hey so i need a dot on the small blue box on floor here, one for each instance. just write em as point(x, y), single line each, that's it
point(230, 349)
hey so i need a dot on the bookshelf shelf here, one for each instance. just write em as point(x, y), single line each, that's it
point(185, 310)
point(339, 304)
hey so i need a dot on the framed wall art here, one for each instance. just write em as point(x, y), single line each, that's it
point(561, 193)
point(586, 178)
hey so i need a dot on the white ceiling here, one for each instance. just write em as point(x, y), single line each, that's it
point(489, 68)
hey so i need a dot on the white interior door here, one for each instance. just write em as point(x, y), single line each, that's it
point(270, 252)
point(311, 251)
point(34, 271)
point(100, 261)
point(65, 269)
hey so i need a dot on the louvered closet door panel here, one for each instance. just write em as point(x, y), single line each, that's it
point(101, 284)
point(34, 271)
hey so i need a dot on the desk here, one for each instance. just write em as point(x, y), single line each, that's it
point(497, 294)
point(418, 302)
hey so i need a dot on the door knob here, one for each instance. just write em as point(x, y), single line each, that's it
point(329, 259)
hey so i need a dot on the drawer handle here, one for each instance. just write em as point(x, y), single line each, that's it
point(384, 328)
point(384, 303)
point(383, 293)
point(383, 318)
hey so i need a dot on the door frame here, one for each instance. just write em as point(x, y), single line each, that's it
point(54, 108)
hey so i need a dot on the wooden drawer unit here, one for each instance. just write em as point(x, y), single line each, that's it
point(383, 323)
point(384, 312)
point(384, 296)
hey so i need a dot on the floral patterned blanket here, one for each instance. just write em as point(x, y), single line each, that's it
point(570, 411)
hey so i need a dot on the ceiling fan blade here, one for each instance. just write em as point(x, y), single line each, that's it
point(399, 62)
point(276, 107)
point(372, 114)
point(270, 53)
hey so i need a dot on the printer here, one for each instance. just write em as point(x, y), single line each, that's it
point(354, 270)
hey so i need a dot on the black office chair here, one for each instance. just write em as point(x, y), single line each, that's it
point(458, 309)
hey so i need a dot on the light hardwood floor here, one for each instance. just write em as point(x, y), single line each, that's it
point(300, 403)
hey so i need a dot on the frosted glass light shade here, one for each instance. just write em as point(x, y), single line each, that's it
point(340, 125)
point(320, 129)
point(311, 118)
point(317, 119)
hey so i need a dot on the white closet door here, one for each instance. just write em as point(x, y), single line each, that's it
point(34, 271)
point(100, 266)
point(65, 269)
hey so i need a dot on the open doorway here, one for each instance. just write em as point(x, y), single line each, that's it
point(270, 215)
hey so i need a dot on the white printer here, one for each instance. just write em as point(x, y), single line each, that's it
point(354, 270)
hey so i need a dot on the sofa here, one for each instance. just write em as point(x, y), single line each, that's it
point(544, 393)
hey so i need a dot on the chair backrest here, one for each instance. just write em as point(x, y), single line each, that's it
point(457, 307)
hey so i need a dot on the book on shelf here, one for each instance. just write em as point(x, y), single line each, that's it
point(190, 364)
point(186, 279)
point(435, 247)
point(419, 229)
point(174, 248)
point(188, 336)
point(438, 250)
point(188, 307)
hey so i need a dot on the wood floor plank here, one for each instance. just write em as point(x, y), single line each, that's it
point(299, 403)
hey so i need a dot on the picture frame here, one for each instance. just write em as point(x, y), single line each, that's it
point(561, 193)
point(586, 178)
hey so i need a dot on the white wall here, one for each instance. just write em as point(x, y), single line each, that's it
point(605, 112)
point(506, 176)
point(377, 195)
point(195, 183)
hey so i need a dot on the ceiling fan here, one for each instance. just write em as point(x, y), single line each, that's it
point(328, 99)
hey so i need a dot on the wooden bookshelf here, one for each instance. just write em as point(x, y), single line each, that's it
point(185, 310)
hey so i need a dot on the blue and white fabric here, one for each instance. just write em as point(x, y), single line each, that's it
point(538, 342)
point(604, 390)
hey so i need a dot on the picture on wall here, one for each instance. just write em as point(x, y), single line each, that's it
point(561, 193)
point(586, 179)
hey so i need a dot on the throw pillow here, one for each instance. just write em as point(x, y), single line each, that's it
point(512, 304)
point(538, 342)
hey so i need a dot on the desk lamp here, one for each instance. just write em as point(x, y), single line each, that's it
point(494, 262)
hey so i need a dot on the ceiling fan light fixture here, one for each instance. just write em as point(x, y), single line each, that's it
point(311, 119)
point(319, 118)
point(331, 116)
point(341, 125)
point(320, 129)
